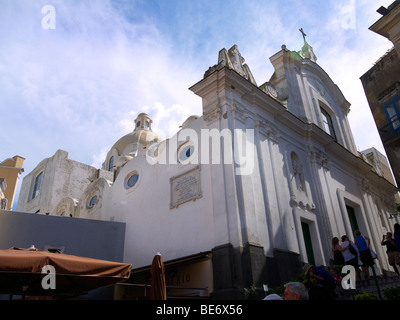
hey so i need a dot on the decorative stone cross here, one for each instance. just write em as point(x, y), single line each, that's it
point(302, 32)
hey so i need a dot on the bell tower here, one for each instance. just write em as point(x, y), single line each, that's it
point(143, 122)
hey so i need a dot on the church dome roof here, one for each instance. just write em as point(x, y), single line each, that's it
point(143, 114)
point(141, 135)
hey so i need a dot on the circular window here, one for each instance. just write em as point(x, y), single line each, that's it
point(186, 152)
point(132, 180)
point(92, 201)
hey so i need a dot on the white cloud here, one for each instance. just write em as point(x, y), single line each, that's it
point(98, 159)
point(74, 86)
point(167, 120)
point(346, 53)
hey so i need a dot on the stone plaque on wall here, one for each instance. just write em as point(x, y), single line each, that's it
point(185, 187)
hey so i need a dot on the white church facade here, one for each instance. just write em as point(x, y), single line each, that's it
point(259, 183)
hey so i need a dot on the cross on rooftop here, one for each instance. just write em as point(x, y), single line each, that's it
point(302, 32)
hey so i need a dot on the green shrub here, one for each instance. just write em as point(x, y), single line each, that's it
point(392, 293)
point(365, 296)
point(278, 290)
point(251, 293)
point(301, 277)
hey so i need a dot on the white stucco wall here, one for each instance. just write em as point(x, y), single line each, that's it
point(62, 177)
point(151, 225)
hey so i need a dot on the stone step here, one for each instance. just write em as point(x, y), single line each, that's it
point(381, 284)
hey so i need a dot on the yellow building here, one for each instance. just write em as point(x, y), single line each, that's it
point(10, 171)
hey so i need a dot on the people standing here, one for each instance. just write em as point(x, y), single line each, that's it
point(295, 291)
point(349, 257)
point(365, 254)
point(337, 252)
point(393, 254)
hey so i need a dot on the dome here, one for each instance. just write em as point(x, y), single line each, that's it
point(122, 160)
point(189, 120)
point(142, 136)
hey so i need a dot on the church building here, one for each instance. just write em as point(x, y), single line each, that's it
point(242, 195)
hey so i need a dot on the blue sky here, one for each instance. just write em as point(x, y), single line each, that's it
point(79, 87)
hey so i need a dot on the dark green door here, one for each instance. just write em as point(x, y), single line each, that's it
point(307, 241)
point(352, 218)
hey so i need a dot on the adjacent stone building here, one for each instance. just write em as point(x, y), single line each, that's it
point(56, 185)
point(382, 86)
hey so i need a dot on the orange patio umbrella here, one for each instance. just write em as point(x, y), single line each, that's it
point(21, 272)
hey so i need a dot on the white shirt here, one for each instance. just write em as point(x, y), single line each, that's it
point(347, 254)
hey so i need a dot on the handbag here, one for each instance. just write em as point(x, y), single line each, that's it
point(352, 250)
point(373, 254)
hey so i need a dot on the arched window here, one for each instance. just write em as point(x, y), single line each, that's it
point(111, 164)
point(327, 122)
point(36, 186)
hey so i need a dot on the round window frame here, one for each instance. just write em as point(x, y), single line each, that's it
point(89, 204)
point(128, 177)
point(182, 151)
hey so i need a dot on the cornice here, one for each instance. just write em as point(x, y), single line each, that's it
point(387, 22)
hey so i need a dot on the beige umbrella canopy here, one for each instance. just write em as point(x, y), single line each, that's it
point(158, 290)
point(22, 271)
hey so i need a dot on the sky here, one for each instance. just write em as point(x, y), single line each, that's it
point(75, 74)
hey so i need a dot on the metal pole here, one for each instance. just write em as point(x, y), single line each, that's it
point(376, 282)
